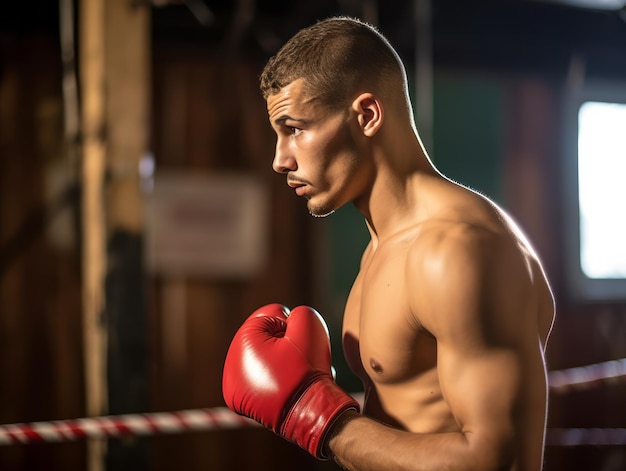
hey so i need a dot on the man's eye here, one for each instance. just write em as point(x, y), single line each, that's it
point(293, 130)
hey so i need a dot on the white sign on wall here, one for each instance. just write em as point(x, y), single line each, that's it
point(207, 225)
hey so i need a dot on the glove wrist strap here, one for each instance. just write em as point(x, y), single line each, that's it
point(312, 416)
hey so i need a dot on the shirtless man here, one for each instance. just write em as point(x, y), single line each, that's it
point(449, 315)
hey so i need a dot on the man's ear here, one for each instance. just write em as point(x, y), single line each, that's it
point(370, 113)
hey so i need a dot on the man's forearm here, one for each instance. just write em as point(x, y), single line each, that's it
point(359, 443)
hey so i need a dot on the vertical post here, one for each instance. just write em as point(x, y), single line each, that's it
point(127, 52)
point(127, 58)
point(92, 67)
point(424, 73)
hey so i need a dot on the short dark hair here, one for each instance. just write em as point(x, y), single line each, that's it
point(335, 57)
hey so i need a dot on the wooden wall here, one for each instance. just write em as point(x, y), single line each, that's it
point(40, 299)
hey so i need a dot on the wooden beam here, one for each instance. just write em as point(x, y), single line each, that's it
point(115, 86)
point(92, 68)
point(127, 52)
point(128, 58)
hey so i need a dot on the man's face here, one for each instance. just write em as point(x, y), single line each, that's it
point(316, 148)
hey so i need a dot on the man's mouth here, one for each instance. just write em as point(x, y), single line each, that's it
point(298, 186)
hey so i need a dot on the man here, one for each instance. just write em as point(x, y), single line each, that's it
point(448, 318)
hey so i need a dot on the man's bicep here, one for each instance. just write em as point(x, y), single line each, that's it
point(482, 388)
point(476, 319)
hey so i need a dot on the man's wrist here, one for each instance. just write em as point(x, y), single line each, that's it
point(336, 429)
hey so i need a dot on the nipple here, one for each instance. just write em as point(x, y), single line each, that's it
point(377, 367)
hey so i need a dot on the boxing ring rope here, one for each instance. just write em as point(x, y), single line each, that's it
point(158, 423)
point(219, 418)
point(587, 377)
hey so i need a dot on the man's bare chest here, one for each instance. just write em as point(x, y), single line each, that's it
point(382, 337)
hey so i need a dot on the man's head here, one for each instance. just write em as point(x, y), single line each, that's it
point(337, 58)
point(328, 91)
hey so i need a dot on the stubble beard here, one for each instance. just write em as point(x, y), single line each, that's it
point(320, 211)
point(318, 214)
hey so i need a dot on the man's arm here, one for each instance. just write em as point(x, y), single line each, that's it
point(474, 295)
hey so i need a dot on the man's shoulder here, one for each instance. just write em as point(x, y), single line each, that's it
point(444, 248)
point(442, 236)
point(463, 220)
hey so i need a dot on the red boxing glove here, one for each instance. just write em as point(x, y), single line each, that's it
point(278, 372)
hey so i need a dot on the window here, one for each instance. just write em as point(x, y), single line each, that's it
point(602, 189)
point(595, 202)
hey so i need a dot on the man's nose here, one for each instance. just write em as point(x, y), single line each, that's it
point(283, 159)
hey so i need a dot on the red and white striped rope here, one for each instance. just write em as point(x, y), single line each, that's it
point(157, 423)
point(196, 420)
point(222, 418)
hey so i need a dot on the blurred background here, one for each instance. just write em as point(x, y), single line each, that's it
point(140, 220)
